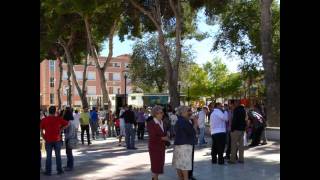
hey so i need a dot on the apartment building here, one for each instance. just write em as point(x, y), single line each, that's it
point(115, 73)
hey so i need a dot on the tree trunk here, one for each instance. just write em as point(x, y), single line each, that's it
point(60, 82)
point(71, 71)
point(172, 69)
point(84, 81)
point(101, 70)
point(69, 91)
point(270, 66)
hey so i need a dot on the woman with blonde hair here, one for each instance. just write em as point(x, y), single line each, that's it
point(157, 140)
point(184, 140)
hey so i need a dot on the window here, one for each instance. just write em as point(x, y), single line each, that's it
point(92, 90)
point(51, 98)
point(79, 75)
point(118, 90)
point(110, 90)
point(133, 97)
point(116, 77)
point(116, 65)
point(110, 76)
point(64, 75)
point(126, 65)
point(92, 75)
point(51, 81)
point(51, 64)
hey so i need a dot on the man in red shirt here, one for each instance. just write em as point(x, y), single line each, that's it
point(51, 128)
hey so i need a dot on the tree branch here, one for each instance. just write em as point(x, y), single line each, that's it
point(144, 11)
point(113, 28)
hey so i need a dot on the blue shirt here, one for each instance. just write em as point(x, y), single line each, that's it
point(94, 116)
point(185, 133)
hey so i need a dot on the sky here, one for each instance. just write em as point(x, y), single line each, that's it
point(202, 49)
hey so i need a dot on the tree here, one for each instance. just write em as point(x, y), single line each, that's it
point(147, 68)
point(163, 16)
point(197, 81)
point(232, 85)
point(217, 72)
point(211, 80)
point(60, 29)
point(101, 19)
point(249, 30)
point(250, 72)
point(271, 65)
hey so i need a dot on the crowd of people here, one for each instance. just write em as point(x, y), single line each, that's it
point(231, 126)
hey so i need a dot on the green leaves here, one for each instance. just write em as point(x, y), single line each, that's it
point(211, 80)
point(240, 28)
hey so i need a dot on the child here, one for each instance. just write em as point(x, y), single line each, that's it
point(117, 125)
point(104, 128)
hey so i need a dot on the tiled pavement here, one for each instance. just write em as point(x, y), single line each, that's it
point(105, 160)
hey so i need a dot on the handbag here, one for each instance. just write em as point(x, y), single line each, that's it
point(72, 141)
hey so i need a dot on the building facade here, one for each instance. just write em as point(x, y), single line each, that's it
point(115, 77)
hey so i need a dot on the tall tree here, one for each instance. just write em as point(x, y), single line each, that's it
point(249, 30)
point(62, 29)
point(217, 72)
point(271, 65)
point(101, 19)
point(147, 69)
point(167, 19)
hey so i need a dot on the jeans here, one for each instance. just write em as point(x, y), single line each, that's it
point(218, 145)
point(94, 129)
point(130, 136)
point(140, 132)
point(201, 136)
point(57, 148)
point(85, 128)
point(69, 156)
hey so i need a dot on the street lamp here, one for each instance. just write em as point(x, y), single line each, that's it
point(125, 86)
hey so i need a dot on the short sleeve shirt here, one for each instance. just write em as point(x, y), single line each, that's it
point(52, 126)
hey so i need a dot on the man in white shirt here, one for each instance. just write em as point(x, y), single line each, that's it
point(201, 122)
point(218, 119)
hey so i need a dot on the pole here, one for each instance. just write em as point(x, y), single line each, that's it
point(125, 89)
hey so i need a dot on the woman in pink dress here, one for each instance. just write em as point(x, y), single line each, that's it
point(157, 139)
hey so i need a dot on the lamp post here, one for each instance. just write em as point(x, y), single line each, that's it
point(125, 87)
